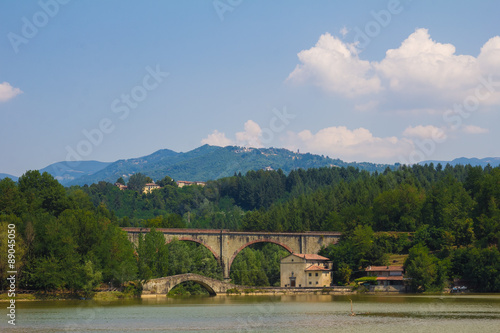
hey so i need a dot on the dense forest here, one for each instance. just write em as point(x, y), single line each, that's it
point(445, 219)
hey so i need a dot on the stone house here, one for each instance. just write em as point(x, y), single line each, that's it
point(150, 187)
point(305, 270)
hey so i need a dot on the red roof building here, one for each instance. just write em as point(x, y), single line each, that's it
point(386, 275)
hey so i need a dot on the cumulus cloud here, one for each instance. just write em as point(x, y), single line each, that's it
point(8, 92)
point(217, 139)
point(422, 65)
point(472, 129)
point(357, 144)
point(425, 132)
point(489, 58)
point(420, 69)
point(335, 66)
point(250, 137)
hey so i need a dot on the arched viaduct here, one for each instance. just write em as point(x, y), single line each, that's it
point(225, 245)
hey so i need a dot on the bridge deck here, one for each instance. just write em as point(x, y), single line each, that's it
point(229, 232)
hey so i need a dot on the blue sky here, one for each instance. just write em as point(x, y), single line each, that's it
point(380, 81)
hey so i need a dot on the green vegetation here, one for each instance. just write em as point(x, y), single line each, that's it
point(188, 288)
point(445, 220)
point(258, 265)
point(63, 242)
point(157, 259)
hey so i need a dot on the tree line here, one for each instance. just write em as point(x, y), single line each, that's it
point(446, 219)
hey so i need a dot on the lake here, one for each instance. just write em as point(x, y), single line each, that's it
point(301, 313)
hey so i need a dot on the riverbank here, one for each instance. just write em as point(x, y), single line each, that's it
point(61, 296)
point(261, 291)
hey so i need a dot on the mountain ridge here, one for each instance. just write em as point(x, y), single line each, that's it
point(6, 175)
point(493, 161)
point(211, 162)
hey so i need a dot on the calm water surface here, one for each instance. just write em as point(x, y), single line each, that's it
point(305, 313)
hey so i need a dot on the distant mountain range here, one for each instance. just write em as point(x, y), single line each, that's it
point(66, 172)
point(493, 161)
point(6, 175)
point(211, 162)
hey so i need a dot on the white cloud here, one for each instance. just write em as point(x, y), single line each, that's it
point(217, 139)
point(335, 66)
point(471, 129)
point(489, 58)
point(421, 65)
point(251, 136)
point(420, 74)
point(425, 132)
point(340, 142)
point(8, 92)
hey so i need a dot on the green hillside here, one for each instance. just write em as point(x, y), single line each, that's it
point(210, 163)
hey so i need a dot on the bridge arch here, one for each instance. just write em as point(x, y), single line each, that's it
point(165, 284)
point(189, 278)
point(235, 254)
point(190, 239)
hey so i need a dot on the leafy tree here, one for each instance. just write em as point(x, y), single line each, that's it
point(424, 270)
point(258, 265)
point(342, 275)
point(137, 182)
point(166, 181)
point(42, 191)
point(479, 267)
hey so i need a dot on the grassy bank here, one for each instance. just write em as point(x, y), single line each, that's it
point(98, 296)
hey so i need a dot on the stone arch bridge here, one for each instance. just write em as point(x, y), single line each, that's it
point(165, 284)
point(225, 245)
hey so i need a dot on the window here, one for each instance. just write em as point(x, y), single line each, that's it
point(310, 282)
point(316, 274)
point(310, 274)
point(316, 282)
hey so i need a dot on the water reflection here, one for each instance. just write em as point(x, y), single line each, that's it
point(286, 313)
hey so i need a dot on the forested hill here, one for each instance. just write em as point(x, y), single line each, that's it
point(211, 162)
